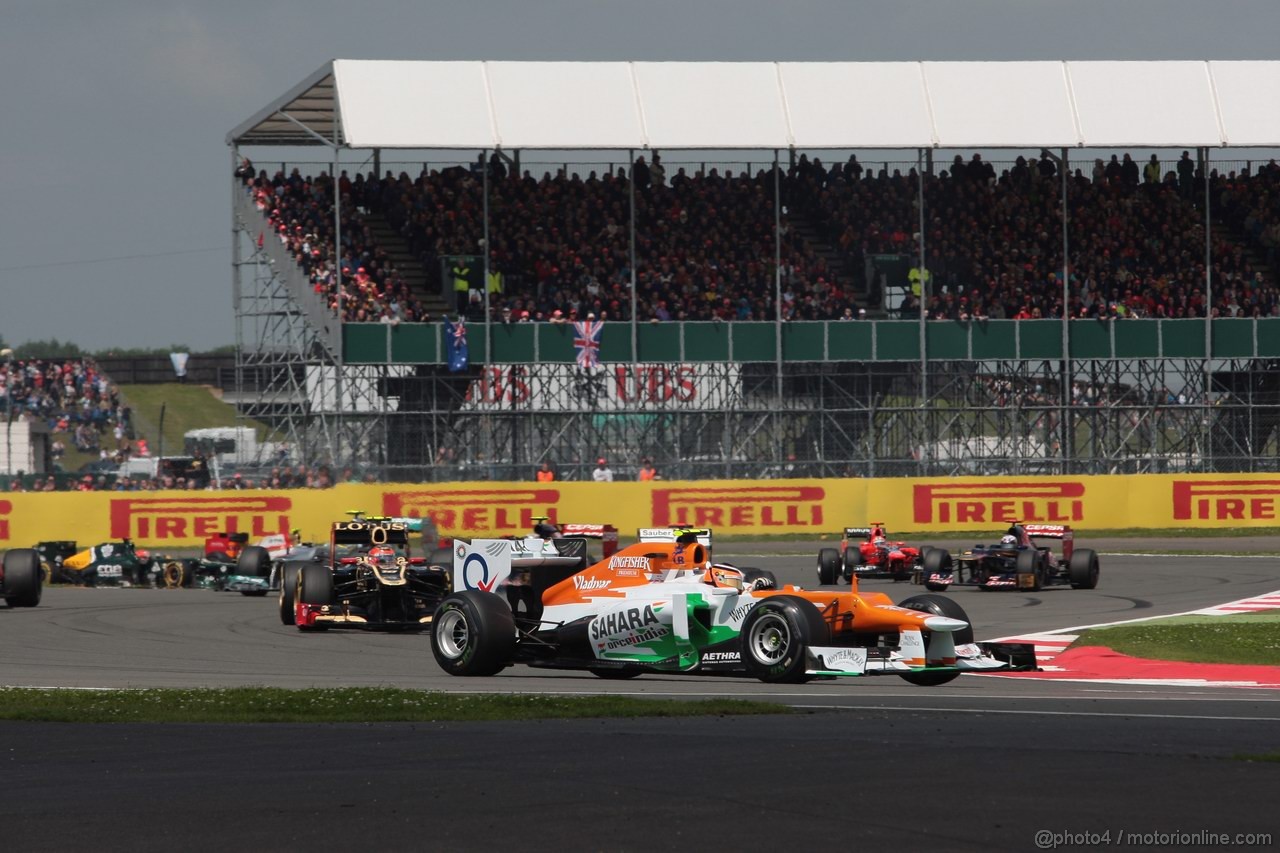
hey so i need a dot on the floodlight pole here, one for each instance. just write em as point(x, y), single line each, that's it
point(1208, 299)
point(777, 272)
point(1065, 380)
point(335, 449)
point(924, 295)
point(631, 200)
point(488, 328)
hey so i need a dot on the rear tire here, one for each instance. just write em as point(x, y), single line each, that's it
point(1030, 563)
point(938, 605)
point(1083, 569)
point(936, 560)
point(828, 566)
point(776, 636)
point(288, 587)
point(22, 586)
point(473, 633)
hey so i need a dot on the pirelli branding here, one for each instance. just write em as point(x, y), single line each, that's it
point(984, 502)
point(197, 518)
point(748, 506)
point(499, 511)
point(6, 507)
point(1225, 500)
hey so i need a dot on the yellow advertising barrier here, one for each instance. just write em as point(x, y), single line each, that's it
point(184, 519)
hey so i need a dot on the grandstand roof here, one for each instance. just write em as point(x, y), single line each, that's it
point(775, 105)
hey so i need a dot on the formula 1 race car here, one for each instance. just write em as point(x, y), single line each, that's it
point(867, 552)
point(370, 580)
point(662, 607)
point(1016, 562)
point(119, 563)
point(20, 583)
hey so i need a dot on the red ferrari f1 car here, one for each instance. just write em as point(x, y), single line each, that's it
point(867, 552)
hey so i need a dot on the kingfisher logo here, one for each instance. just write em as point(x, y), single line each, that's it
point(198, 518)
point(985, 502)
point(749, 506)
point(1225, 500)
point(6, 507)
point(499, 511)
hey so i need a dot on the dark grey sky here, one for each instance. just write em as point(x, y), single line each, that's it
point(113, 115)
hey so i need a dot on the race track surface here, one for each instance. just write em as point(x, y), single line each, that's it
point(980, 764)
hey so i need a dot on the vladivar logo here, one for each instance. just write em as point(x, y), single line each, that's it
point(746, 506)
point(498, 511)
point(985, 502)
point(1225, 500)
point(197, 518)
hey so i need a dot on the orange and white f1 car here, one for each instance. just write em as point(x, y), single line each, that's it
point(663, 607)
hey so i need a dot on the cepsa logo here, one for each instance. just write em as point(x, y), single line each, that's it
point(6, 507)
point(760, 506)
point(985, 502)
point(1221, 500)
point(501, 511)
point(197, 518)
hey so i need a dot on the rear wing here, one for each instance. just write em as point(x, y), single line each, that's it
point(1053, 531)
point(857, 532)
point(381, 531)
point(606, 533)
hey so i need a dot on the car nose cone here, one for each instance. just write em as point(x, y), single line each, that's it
point(944, 623)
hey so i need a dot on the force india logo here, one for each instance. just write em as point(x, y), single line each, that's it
point(1222, 500)
point(197, 518)
point(763, 506)
point(6, 507)
point(500, 511)
point(960, 503)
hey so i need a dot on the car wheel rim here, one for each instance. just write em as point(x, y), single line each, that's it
point(452, 634)
point(769, 638)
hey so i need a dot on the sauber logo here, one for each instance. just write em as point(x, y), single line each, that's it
point(491, 510)
point(197, 518)
point(6, 507)
point(983, 502)
point(759, 506)
point(1243, 500)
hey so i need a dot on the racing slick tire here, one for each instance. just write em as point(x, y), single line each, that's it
point(828, 566)
point(288, 586)
point(1030, 562)
point(938, 605)
point(1083, 568)
point(935, 560)
point(255, 562)
point(760, 578)
point(473, 633)
point(22, 587)
point(776, 636)
point(315, 586)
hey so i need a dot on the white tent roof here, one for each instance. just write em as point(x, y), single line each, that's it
point(774, 105)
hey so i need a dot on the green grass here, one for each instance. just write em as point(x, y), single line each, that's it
point(339, 705)
point(1246, 638)
point(187, 407)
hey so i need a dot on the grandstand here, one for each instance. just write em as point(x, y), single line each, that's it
point(733, 278)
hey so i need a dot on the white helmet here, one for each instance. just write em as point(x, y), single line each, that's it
point(1009, 539)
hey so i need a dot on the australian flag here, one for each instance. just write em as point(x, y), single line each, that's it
point(455, 344)
point(586, 341)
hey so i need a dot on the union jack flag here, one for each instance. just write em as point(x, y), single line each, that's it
point(586, 341)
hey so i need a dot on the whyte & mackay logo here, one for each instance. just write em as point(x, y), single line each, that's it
point(984, 502)
point(1223, 500)
point(749, 506)
point(197, 518)
point(500, 511)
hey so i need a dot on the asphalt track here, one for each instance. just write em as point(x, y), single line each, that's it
point(980, 764)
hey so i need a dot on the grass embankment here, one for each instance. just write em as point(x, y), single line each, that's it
point(1244, 638)
point(339, 705)
point(187, 407)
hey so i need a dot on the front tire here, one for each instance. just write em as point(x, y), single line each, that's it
point(938, 605)
point(1083, 569)
point(473, 633)
point(288, 587)
point(22, 586)
point(776, 636)
point(255, 562)
point(828, 566)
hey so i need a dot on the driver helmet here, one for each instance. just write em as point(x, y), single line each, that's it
point(382, 555)
point(1009, 539)
point(725, 577)
point(879, 540)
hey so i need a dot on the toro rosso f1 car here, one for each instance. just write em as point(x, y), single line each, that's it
point(867, 552)
point(662, 607)
point(1016, 562)
point(371, 581)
